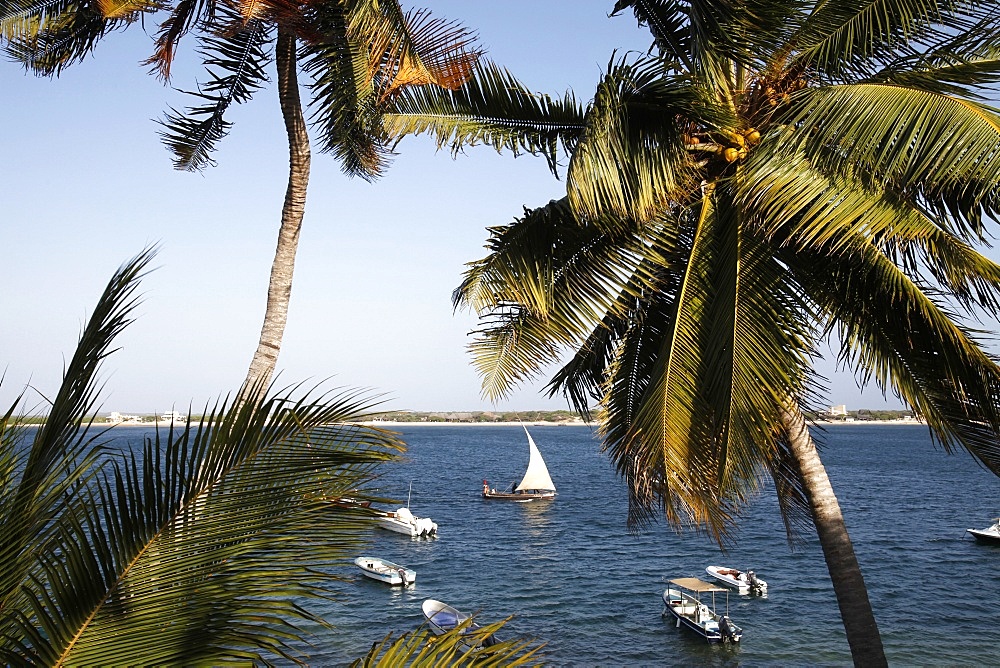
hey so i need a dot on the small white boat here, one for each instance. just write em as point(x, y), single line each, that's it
point(443, 618)
point(404, 522)
point(683, 599)
point(536, 483)
point(989, 534)
point(386, 571)
point(745, 582)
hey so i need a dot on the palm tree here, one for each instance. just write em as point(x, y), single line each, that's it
point(205, 545)
point(778, 176)
point(359, 54)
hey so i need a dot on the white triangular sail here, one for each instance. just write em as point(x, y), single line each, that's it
point(537, 475)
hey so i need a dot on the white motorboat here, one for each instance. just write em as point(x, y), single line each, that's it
point(989, 534)
point(386, 571)
point(683, 599)
point(745, 582)
point(536, 483)
point(443, 618)
point(404, 522)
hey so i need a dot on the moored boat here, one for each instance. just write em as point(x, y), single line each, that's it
point(683, 599)
point(989, 534)
point(536, 483)
point(403, 521)
point(386, 571)
point(745, 582)
point(443, 618)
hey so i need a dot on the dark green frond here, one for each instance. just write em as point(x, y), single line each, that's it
point(935, 365)
point(492, 108)
point(240, 54)
point(343, 98)
point(62, 450)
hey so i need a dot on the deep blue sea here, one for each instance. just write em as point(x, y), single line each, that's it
point(575, 579)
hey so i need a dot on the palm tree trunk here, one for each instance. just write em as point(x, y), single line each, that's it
point(280, 287)
point(848, 583)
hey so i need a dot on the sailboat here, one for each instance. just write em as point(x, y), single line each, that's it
point(536, 483)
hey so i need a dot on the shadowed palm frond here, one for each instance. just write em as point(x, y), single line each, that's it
point(491, 108)
point(210, 540)
point(343, 100)
point(938, 367)
point(240, 54)
point(183, 16)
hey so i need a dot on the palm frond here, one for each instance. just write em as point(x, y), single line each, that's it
point(851, 39)
point(239, 53)
point(491, 108)
point(463, 645)
point(182, 17)
point(547, 282)
point(414, 49)
point(48, 37)
point(937, 366)
point(801, 207)
point(38, 478)
point(343, 99)
point(943, 150)
point(211, 540)
point(631, 160)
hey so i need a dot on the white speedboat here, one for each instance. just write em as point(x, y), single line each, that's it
point(443, 618)
point(386, 571)
point(404, 522)
point(745, 582)
point(989, 534)
point(683, 599)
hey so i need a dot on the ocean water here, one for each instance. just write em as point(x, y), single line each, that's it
point(574, 578)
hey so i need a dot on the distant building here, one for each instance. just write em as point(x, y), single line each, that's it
point(840, 410)
point(118, 418)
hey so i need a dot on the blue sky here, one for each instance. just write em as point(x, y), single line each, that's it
point(86, 185)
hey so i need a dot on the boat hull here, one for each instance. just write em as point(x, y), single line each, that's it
point(386, 571)
point(402, 521)
point(443, 618)
point(518, 496)
point(688, 612)
point(990, 536)
point(738, 580)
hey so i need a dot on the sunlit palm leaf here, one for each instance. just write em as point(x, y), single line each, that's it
point(849, 38)
point(631, 160)
point(936, 366)
point(492, 108)
point(461, 646)
point(944, 149)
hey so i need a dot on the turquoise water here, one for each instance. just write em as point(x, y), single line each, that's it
point(575, 579)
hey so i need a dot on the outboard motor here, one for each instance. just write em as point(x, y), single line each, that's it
point(402, 575)
point(754, 582)
point(728, 630)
